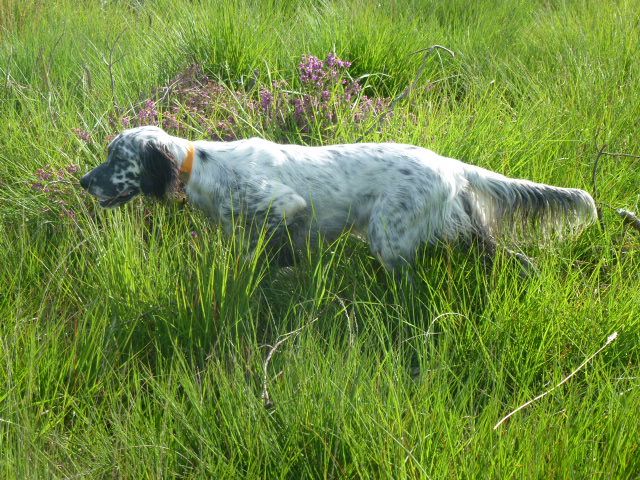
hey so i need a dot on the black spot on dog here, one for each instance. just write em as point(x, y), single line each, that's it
point(203, 156)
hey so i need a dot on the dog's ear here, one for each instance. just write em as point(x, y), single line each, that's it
point(159, 170)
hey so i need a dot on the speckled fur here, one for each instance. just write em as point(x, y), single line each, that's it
point(394, 196)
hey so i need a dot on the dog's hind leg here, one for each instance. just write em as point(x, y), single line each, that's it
point(392, 233)
point(488, 247)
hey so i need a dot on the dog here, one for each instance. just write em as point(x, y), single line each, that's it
point(395, 196)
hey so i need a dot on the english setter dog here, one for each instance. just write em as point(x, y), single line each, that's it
point(395, 196)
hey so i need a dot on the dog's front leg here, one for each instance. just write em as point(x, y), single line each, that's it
point(275, 214)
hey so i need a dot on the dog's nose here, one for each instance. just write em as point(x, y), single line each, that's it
point(85, 181)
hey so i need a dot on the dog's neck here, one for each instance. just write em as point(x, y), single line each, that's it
point(184, 152)
point(187, 163)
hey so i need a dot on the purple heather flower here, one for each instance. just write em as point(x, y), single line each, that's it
point(148, 113)
point(326, 95)
point(37, 186)
point(43, 174)
point(82, 135)
point(298, 107)
point(331, 60)
point(311, 70)
point(73, 168)
point(170, 122)
point(126, 122)
point(266, 99)
point(334, 61)
point(352, 90)
point(194, 234)
point(366, 104)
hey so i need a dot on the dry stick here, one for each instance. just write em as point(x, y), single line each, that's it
point(601, 152)
point(610, 339)
point(268, 403)
point(620, 154)
point(629, 218)
point(405, 93)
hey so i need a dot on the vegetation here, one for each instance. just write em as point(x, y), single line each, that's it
point(134, 342)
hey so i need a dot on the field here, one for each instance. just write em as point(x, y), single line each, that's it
point(142, 343)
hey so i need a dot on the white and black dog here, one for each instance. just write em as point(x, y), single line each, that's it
point(395, 196)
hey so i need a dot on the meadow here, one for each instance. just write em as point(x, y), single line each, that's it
point(140, 342)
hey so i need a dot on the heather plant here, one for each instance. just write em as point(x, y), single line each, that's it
point(324, 90)
point(59, 187)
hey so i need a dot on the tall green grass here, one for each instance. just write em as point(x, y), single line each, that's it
point(131, 347)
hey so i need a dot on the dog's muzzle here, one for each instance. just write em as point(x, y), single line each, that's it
point(95, 184)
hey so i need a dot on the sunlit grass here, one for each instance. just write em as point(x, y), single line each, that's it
point(133, 342)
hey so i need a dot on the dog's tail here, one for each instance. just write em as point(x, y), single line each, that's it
point(501, 204)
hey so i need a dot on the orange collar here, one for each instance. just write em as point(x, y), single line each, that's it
point(187, 165)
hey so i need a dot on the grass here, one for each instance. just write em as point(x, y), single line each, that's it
point(131, 347)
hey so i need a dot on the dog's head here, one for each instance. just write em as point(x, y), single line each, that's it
point(140, 160)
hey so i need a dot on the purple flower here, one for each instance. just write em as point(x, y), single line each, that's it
point(367, 104)
point(37, 186)
point(298, 107)
point(326, 95)
point(331, 60)
point(266, 99)
point(194, 234)
point(148, 114)
point(43, 174)
point(352, 90)
point(334, 61)
point(73, 168)
point(170, 122)
point(126, 122)
point(311, 70)
point(82, 135)
point(381, 105)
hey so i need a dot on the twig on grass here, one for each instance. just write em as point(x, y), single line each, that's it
point(629, 218)
point(407, 91)
point(610, 339)
point(621, 154)
point(266, 398)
